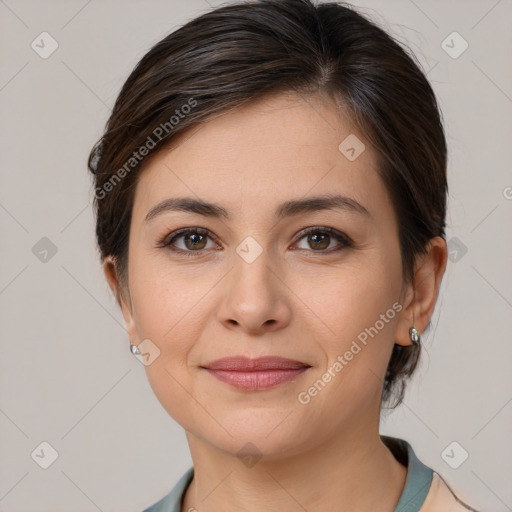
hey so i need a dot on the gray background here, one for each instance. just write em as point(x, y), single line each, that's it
point(66, 374)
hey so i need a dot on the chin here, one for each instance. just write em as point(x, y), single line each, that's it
point(261, 434)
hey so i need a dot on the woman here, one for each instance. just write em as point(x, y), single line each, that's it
point(271, 199)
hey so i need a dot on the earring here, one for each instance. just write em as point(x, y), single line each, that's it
point(134, 349)
point(415, 336)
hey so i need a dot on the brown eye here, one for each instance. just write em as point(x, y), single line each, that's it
point(194, 241)
point(319, 240)
point(188, 241)
point(325, 240)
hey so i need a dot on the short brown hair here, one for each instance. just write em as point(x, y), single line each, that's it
point(245, 50)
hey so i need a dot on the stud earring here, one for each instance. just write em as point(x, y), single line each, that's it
point(415, 336)
point(134, 349)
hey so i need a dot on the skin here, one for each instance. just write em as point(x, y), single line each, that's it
point(301, 303)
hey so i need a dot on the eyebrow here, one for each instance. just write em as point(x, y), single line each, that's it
point(286, 209)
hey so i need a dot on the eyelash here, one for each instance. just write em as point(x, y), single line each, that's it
point(168, 240)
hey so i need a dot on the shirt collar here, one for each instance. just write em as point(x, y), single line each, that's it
point(419, 476)
point(417, 483)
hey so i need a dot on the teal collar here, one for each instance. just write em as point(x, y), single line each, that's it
point(417, 483)
point(419, 476)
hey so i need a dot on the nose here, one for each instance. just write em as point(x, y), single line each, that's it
point(256, 298)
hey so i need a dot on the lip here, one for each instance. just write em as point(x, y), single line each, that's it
point(257, 374)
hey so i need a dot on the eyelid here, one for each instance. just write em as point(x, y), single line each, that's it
point(168, 239)
point(339, 235)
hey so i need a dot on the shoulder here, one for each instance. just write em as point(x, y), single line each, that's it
point(171, 502)
point(441, 498)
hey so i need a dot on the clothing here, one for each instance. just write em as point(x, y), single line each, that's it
point(424, 490)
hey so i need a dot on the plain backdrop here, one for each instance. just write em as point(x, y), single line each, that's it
point(66, 375)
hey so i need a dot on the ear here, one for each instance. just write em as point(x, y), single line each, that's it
point(123, 298)
point(421, 295)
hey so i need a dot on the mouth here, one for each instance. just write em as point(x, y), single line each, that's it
point(248, 374)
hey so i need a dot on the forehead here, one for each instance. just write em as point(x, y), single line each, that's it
point(277, 148)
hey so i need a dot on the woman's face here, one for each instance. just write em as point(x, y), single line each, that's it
point(252, 283)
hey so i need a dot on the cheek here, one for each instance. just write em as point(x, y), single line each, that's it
point(173, 322)
point(360, 310)
point(169, 309)
point(169, 302)
point(354, 299)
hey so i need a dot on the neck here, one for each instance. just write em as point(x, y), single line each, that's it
point(351, 472)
